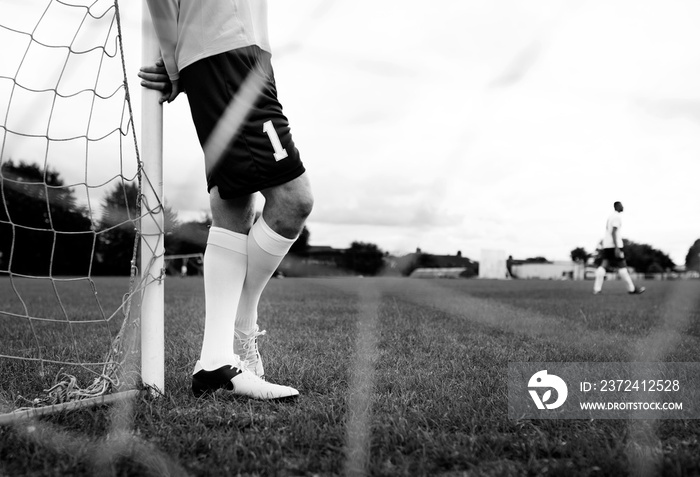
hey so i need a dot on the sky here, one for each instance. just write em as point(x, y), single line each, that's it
point(464, 125)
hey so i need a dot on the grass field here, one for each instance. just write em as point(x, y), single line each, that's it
point(397, 377)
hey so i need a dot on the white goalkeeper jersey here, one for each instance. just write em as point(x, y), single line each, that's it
point(190, 30)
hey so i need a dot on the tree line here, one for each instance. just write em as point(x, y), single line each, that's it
point(44, 231)
point(641, 257)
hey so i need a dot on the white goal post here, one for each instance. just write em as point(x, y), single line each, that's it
point(152, 225)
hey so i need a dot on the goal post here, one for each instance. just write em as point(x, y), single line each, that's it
point(152, 225)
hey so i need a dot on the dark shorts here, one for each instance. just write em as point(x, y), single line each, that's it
point(262, 154)
point(612, 260)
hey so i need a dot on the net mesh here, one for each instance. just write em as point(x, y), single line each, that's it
point(71, 184)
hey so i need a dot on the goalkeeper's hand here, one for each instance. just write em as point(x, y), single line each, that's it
point(156, 77)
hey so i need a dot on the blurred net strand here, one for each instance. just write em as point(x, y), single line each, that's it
point(118, 370)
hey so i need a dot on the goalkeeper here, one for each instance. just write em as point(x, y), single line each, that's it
point(209, 48)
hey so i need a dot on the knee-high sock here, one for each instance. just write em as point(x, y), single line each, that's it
point(224, 274)
point(625, 274)
point(599, 279)
point(266, 249)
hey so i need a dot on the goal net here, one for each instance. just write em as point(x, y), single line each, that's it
point(74, 201)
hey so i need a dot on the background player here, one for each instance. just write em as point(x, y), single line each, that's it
point(209, 48)
point(613, 254)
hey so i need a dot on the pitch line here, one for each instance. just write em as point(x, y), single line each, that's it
point(644, 449)
point(361, 386)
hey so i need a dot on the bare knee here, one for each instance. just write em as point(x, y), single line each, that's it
point(303, 204)
point(288, 206)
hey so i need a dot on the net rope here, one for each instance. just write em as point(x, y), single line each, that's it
point(66, 111)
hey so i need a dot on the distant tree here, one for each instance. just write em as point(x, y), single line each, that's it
point(655, 268)
point(580, 255)
point(641, 256)
point(692, 259)
point(364, 258)
point(536, 260)
point(117, 230)
point(189, 237)
point(406, 264)
point(471, 271)
point(36, 211)
point(118, 227)
point(301, 245)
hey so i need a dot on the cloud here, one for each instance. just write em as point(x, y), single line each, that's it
point(408, 143)
point(518, 68)
point(672, 108)
point(384, 203)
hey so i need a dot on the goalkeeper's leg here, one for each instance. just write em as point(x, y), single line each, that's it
point(225, 262)
point(286, 208)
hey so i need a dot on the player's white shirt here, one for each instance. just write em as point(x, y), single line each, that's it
point(614, 221)
point(190, 30)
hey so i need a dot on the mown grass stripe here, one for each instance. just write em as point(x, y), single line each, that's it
point(361, 385)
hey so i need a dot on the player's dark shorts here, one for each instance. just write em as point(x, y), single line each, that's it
point(262, 154)
point(613, 261)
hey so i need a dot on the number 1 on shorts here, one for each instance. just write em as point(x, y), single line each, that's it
point(280, 152)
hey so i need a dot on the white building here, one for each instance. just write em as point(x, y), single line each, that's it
point(557, 270)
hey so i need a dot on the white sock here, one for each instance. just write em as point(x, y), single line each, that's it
point(625, 274)
point(224, 273)
point(599, 279)
point(266, 249)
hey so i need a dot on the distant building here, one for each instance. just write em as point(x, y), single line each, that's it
point(315, 261)
point(557, 270)
point(407, 264)
point(322, 260)
point(452, 272)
